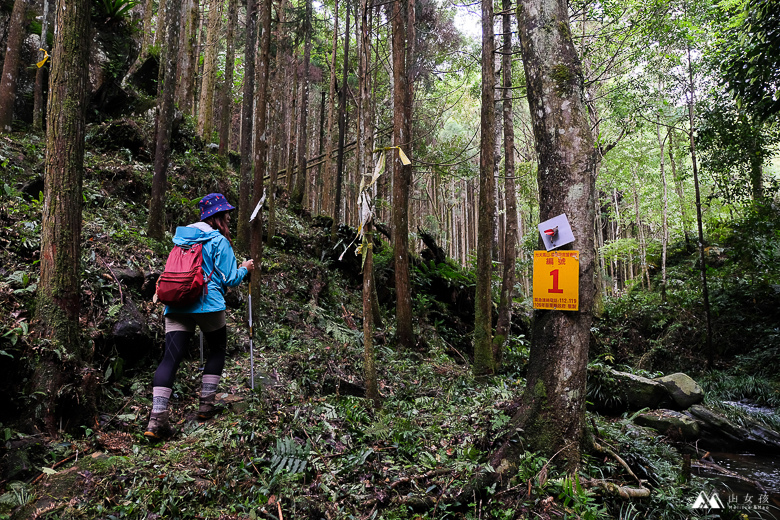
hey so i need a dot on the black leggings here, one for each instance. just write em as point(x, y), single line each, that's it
point(175, 347)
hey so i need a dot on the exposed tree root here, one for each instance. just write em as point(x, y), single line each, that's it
point(615, 490)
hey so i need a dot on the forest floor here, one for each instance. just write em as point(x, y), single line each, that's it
point(304, 443)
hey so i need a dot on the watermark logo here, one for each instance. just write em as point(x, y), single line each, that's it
point(707, 502)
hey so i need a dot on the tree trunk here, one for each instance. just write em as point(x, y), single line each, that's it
point(261, 137)
point(402, 176)
point(226, 103)
point(206, 104)
point(11, 64)
point(702, 259)
point(39, 102)
point(484, 363)
point(665, 223)
point(328, 178)
point(553, 408)
point(296, 198)
point(162, 154)
point(247, 105)
point(640, 231)
point(504, 322)
point(188, 57)
point(60, 278)
point(342, 122)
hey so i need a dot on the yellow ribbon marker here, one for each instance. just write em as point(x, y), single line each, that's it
point(404, 159)
point(45, 57)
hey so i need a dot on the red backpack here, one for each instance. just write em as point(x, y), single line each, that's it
point(182, 281)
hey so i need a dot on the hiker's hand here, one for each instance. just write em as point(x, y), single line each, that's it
point(249, 264)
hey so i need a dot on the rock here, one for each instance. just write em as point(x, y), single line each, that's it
point(640, 392)
point(684, 391)
point(130, 277)
point(130, 335)
point(719, 433)
point(670, 423)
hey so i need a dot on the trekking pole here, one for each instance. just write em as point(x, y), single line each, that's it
point(251, 335)
point(202, 366)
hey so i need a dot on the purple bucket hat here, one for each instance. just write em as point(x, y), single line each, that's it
point(212, 204)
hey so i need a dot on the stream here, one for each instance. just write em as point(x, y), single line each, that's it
point(763, 468)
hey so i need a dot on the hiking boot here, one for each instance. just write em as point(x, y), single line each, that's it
point(159, 427)
point(209, 407)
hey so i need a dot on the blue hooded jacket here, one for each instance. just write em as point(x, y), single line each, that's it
point(219, 261)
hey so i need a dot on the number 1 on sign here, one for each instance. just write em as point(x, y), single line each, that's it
point(555, 289)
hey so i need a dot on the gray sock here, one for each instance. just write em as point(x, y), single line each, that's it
point(160, 397)
point(210, 382)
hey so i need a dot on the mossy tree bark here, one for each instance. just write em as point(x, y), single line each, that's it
point(162, 152)
point(188, 57)
point(63, 390)
point(208, 84)
point(11, 64)
point(484, 363)
point(553, 410)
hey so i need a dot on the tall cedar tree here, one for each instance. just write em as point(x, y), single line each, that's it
point(402, 174)
point(261, 135)
point(504, 322)
point(245, 175)
point(483, 321)
point(11, 65)
point(226, 100)
point(553, 410)
point(300, 181)
point(70, 387)
point(342, 115)
point(162, 151)
point(208, 84)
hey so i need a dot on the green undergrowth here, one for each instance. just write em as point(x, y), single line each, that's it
point(304, 443)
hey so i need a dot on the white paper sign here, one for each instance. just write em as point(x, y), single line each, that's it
point(556, 232)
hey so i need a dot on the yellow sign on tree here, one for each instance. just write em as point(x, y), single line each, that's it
point(557, 280)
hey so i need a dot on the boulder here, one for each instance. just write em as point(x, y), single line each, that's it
point(684, 391)
point(719, 433)
point(669, 422)
point(640, 392)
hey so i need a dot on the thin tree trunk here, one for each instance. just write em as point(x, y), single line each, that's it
point(208, 84)
point(640, 230)
point(504, 323)
point(484, 363)
point(300, 182)
point(226, 115)
point(247, 113)
point(402, 174)
point(702, 259)
point(11, 65)
point(162, 154)
point(41, 74)
point(261, 137)
point(342, 122)
point(188, 57)
point(665, 222)
point(328, 177)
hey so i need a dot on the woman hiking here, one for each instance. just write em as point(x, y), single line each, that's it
point(208, 313)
